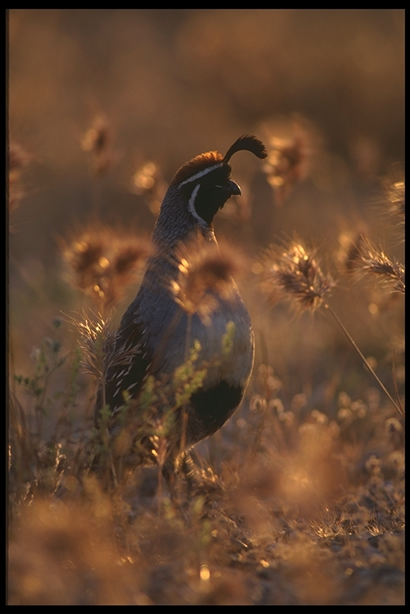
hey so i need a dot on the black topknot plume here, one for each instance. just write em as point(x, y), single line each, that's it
point(247, 142)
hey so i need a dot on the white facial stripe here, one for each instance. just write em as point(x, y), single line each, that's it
point(191, 205)
point(201, 174)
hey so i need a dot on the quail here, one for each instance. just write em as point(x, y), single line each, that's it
point(157, 331)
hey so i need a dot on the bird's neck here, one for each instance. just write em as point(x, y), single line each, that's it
point(169, 241)
point(169, 251)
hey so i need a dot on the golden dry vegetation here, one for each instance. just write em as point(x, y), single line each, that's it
point(300, 499)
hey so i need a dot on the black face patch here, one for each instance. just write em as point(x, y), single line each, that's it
point(209, 193)
point(209, 200)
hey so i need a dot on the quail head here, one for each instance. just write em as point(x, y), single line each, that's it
point(157, 409)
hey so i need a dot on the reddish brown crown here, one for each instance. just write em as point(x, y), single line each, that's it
point(197, 165)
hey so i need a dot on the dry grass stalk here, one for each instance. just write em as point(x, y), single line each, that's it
point(299, 279)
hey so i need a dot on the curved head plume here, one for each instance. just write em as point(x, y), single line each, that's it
point(212, 160)
point(247, 142)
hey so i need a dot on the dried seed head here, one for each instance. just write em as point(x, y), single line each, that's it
point(396, 197)
point(98, 141)
point(95, 337)
point(289, 159)
point(391, 273)
point(394, 192)
point(103, 263)
point(128, 256)
point(295, 275)
point(204, 276)
point(98, 348)
point(83, 256)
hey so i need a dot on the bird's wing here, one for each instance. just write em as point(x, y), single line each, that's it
point(127, 365)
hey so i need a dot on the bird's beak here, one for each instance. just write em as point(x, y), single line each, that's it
point(234, 189)
point(229, 189)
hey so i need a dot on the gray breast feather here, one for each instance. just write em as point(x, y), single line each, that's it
point(170, 332)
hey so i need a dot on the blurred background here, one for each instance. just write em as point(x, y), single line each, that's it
point(166, 85)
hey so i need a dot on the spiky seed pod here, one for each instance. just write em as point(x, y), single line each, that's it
point(297, 276)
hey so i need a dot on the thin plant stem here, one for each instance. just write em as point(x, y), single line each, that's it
point(356, 347)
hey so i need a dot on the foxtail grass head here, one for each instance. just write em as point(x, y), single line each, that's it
point(294, 274)
point(388, 272)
